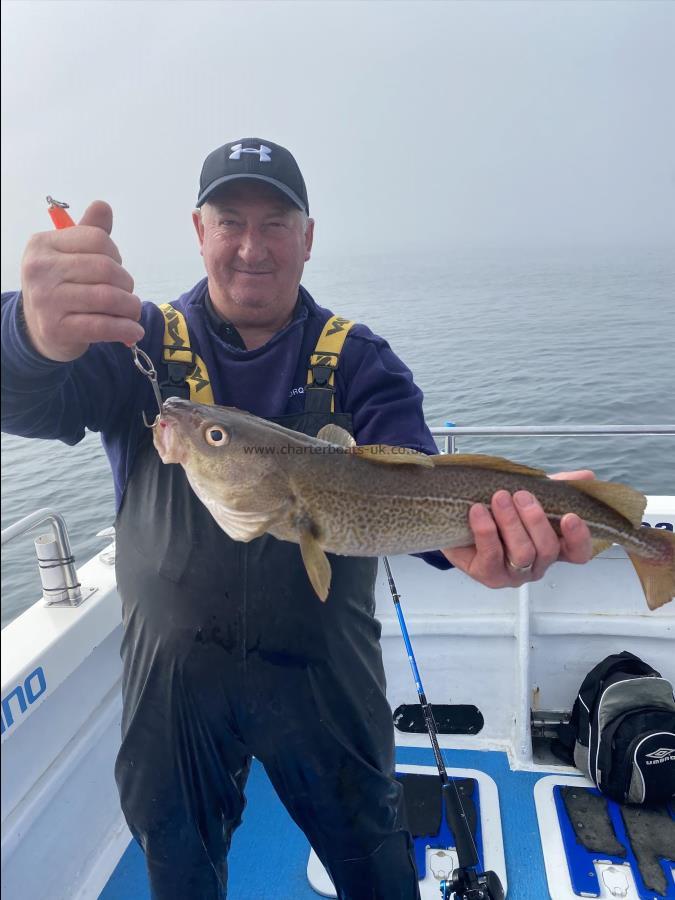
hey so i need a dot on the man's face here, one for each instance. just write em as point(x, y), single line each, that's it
point(255, 246)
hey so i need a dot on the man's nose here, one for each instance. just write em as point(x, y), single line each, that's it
point(252, 247)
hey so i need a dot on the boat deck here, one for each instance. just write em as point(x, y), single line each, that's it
point(532, 829)
point(268, 859)
point(62, 711)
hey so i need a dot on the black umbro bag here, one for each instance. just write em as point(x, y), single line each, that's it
point(623, 722)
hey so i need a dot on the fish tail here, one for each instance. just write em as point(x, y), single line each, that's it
point(656, 567)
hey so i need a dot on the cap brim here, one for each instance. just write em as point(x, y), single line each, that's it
point(204, 196)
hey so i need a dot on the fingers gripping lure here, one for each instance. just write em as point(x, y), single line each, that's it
point(58, 212)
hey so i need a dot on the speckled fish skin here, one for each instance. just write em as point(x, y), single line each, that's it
point(267, 479)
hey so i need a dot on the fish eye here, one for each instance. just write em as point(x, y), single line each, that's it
point(216, 436)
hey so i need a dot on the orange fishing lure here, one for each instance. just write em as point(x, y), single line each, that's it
point(58, 213)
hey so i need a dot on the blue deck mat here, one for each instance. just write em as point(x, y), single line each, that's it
point(268, 858)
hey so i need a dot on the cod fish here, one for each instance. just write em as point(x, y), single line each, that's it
point(330, 496)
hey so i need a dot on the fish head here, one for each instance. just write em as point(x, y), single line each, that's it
point(212, 443)
point(184, 429)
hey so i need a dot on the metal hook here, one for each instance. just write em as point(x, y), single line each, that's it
point(146, 367)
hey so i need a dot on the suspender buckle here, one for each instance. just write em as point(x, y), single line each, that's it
point(321, 375)
point(177, 374)
point(323, 363)
point(187, 376)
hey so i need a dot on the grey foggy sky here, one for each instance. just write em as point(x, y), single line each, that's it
point(428, 125)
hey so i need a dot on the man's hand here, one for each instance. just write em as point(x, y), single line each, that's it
point(75, 290)
point(515, 542)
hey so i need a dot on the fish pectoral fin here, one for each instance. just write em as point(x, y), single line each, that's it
point(381, 453)
point(241, 524)
point(627, 502)
point(598, 545)
point(316, 564)
point(481, 461)
point(333, 434)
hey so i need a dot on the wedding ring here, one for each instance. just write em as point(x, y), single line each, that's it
point(521, 569)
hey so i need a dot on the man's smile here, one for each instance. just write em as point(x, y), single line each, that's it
point(247, 272)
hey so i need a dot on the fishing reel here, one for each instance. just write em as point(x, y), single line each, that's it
point(466, 884)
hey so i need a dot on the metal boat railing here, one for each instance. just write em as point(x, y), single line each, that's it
point(450, 432)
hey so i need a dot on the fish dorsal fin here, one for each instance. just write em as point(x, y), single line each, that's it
point(333, 434)
point(480, 461)
point(622, 499)
point(381, 453)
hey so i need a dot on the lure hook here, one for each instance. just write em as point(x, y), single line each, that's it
point(146, 367)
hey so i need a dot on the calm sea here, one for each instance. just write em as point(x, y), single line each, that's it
point(566, 338)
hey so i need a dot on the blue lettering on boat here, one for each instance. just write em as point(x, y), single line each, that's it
point(667, 526)
point(16, 702)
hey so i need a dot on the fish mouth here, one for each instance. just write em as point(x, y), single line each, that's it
point(167, 441)
point(166, 433)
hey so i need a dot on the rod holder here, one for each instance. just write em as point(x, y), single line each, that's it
point(60, 586)
point(57, 572)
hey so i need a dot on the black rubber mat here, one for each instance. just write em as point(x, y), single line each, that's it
point(590, 820)
point(459, 806)
point(651, 832)
point(422, 795)
point(423, 800)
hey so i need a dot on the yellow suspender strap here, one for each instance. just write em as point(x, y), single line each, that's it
point(176, 349)
point(324, 361)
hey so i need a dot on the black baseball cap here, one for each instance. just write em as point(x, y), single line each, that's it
point(257, 159)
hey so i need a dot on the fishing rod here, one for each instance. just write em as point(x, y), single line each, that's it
point(466, 883)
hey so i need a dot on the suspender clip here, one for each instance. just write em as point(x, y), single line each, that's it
point(176, 384)
point(322, 375)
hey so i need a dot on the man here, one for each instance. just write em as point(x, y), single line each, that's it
point(226, 650)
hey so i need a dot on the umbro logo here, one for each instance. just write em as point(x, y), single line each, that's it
point(265, 153)
point(660, 753)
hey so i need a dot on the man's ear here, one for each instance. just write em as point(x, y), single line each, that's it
point(309, 238)
point(199, 228)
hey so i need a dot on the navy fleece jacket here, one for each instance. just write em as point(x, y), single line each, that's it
point(102, 390)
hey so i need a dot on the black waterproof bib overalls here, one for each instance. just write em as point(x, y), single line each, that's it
point(228, 653)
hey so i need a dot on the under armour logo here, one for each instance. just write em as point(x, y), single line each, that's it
point(264, 152)
point(661, 753)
